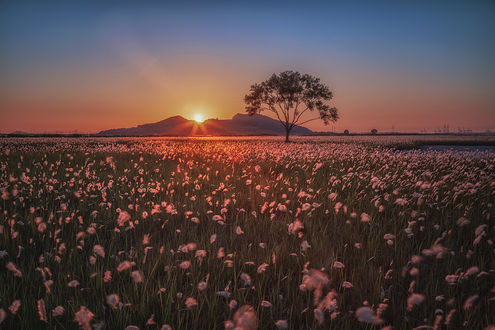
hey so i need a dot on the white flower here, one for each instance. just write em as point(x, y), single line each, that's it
point(414, 299)
point(282, 324)
point(191, 302)
point(113, 300)
point(84, 317)
point(262, 268)
point(365, 217)
point(99, 250)
point(246, 278)
point(366, 314)
point(185, 265)
point(305, 245)
point(73, 284)
point(245, 318)
point(266, 303)
point(137, 276)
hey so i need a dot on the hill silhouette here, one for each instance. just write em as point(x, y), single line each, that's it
point(240, 124)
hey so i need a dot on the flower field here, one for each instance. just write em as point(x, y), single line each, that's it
point(160, 233)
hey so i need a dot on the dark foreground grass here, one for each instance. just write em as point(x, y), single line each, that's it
point(347, 198)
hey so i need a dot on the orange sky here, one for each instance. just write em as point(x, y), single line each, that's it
point(67, 69)
point(217, 91)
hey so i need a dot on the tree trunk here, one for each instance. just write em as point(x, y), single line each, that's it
point(287, 132)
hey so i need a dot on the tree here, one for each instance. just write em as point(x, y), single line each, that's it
point(289, 95)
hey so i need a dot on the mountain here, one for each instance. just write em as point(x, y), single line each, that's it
point(19, 133)
point(158, 128)
point(240, 124)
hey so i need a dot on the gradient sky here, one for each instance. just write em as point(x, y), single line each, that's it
point(70, 66)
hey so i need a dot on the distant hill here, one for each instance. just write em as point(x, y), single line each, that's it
point(20, 133)
point(240, 124)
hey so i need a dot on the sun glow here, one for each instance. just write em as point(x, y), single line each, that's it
point(198, 118)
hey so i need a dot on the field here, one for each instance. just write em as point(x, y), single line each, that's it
point(343, 233)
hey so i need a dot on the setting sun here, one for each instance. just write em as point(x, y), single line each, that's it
point(198, 118)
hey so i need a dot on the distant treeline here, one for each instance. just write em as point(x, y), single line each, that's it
point(402, 134)
point(80, 135)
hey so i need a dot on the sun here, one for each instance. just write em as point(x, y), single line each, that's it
point(198, 118)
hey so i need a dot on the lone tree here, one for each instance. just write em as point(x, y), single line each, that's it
point(289, 95)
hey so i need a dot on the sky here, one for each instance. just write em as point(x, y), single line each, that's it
point(74, 66)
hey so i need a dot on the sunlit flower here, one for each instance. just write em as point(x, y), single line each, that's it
point(42, 310)
point(137, 276)
point(185, 265)
point(469, 302)
point(84, 317)
point(213, 238)
point(73, 284)
point(262, 268)
point(57, 311)
point(414, 299)
point(461, 222)
point(113, 300)
point(99, 250)
point(305, 245)
point(233, 304)
point(266, 303)
point(107, 276)
point(365, 217)
point(124, 265)
point(245, 318)
point(14, 269)
point(295, 226)
point(14, 307)
point(3, 315)
point(123, 218)
point(246, 278)
point(191, 302)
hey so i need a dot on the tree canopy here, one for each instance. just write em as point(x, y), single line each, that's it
point(289, 95)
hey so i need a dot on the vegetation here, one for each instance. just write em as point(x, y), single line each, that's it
point(289, 95)
point(209, 233)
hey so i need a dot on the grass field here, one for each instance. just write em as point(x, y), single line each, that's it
point(211, 233)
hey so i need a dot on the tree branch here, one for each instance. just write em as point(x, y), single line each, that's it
point(304, 122)
point(295, 111)
point(276, 112)
point(298, 117)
